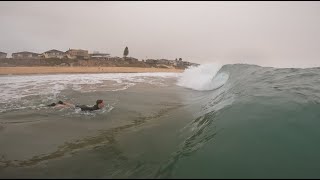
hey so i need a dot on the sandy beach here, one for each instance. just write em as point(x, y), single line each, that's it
point(56, 70)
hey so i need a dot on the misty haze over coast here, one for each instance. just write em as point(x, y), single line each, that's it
point(279, 34)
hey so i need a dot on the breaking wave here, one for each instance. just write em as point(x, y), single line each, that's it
point(203, 77)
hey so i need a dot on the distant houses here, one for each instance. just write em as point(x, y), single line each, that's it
point(3, 55)
point(80, 54)
point(25, 55)
point(70, 54)
point(176, 63)
point(164, 61)
point(77, 54)
point(54, 54)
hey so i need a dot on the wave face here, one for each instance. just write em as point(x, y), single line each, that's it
point(249, 122)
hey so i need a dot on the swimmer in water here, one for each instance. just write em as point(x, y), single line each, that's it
point(99, 105)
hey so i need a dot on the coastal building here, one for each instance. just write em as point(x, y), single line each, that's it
point(54, 54)
point(181, 63)
point(3, 55)
point(98, 55)
point(77, 54)
point(25, 55)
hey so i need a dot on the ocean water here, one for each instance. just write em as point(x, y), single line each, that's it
point(212, 121)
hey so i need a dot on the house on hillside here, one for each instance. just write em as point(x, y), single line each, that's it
point(77, 54)
point(25, 55)
point(54, 54)
point(3, 55)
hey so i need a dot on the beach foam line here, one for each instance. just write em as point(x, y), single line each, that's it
point(59, 70)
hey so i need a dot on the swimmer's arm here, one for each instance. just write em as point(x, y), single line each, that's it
point(69, 104)
point(59, 106)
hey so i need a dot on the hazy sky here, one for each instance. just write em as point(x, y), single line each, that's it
point(280, 34)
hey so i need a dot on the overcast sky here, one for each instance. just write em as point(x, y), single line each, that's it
point(279, 34)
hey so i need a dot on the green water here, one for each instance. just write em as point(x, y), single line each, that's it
point(262, 123)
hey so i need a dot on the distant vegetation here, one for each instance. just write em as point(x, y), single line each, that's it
point(126, 52)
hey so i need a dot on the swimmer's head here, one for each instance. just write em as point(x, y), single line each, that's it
point(100, 103)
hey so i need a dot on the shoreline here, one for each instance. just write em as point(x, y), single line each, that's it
point(70, 70)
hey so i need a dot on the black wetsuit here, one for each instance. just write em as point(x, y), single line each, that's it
point(83, 107)
point(54, 104)
point(87, 108)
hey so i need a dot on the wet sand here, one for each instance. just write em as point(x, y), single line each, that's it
point(55, 70)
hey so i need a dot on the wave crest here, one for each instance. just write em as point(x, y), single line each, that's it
point(203, 77)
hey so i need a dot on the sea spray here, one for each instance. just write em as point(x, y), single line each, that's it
point(203, 77)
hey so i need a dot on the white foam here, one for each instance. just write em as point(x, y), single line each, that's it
point(203, 77)
point(15, 87)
